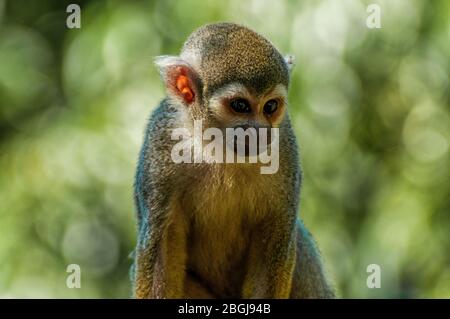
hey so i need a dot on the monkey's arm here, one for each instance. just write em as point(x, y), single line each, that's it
point(160, 255)
point(161, 258)
point(271, 262)
point(310, 280)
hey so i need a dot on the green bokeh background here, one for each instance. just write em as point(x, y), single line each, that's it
point(370, 109)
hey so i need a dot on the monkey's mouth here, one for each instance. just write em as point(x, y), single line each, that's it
point(247, 150)
point(249, 146)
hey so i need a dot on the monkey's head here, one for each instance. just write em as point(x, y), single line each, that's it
point(231, 75)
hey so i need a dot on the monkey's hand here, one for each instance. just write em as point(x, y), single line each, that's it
point(271, 262)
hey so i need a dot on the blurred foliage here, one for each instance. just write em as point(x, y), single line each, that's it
point(370, 108)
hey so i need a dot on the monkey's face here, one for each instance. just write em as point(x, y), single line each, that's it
point(235, 105)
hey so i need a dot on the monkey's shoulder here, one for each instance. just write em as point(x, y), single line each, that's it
point(163, 117)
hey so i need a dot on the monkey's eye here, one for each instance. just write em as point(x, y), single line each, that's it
point(270, 107)
point(240, 106)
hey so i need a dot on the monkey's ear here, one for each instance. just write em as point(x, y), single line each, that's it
point(181, 80)
point(290, 62)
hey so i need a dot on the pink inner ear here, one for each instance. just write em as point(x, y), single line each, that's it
point(182, 85)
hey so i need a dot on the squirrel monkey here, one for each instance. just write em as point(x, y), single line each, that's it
point(222, 230)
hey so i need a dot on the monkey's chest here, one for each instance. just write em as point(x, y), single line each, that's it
point(222, 218)
point(217, 256)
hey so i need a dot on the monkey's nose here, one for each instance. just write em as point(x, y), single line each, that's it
point(252, 133)
point(244, 126)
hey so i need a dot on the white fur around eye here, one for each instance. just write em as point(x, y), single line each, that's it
point(229, 91)
point(279, 91)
